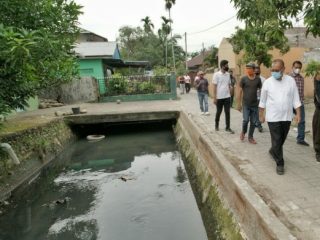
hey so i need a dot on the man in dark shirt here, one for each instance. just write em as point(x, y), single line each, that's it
point(233, 83)
point(248, 101)
point(201, 84)
point(316, 117)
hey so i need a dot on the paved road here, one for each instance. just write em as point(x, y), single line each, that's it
point(293, 197)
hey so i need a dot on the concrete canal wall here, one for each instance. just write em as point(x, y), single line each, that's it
point(213, 175)
point(35, 148)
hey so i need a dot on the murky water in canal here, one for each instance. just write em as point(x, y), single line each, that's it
point(125, 187)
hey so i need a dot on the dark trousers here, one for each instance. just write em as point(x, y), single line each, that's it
point(231, 101)
point(188, 86)
point(316, 131)
point(278, 132)
point(223, 103)
point(258, 123)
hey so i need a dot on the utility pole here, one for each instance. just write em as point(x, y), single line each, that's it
point(202, 56)
point(186, 49)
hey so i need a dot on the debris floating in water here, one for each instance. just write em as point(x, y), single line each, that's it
point(126, 178)
point(57, 202)
point(95, 137)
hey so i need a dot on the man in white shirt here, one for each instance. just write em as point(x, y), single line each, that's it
point(187, 81)
point(221, 94)
point(279, 94)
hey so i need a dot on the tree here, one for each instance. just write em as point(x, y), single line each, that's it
point(262, 33)
point(36, 48)
point(194, 54)
point(147, 24)
point(136, 45)
point(178, 50)
point(313, 68)
point(266, 22)
point(311, 13)
point(168, 6)
point(284, 11)
point(256, 41)
point(212, 58)
point(127, 40)
point(165, 26)
point(163, 34)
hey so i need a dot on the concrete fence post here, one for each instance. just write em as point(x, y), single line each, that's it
point(173, 85)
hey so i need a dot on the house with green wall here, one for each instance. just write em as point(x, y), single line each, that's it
point(95, 58)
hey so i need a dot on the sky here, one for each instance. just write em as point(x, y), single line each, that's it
point(105, 17)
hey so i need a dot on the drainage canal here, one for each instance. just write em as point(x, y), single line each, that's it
point(131, 185)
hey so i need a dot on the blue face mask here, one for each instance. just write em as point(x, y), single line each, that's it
point(277, 75)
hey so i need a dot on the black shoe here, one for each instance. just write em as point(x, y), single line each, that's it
point(229, 130)
point(303, 143)
point(217, 128)
point(280, 170)
point(318, 158)
point(260, 129)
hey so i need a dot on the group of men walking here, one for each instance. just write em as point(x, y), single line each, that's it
point(275, 100)
point(184, 84)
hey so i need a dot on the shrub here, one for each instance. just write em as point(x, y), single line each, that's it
point(313, 68)
point(118, 85)
point(146, 87)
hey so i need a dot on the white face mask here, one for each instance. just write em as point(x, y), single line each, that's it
point(296, 70)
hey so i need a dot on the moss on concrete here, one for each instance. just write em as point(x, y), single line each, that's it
point(218, 220)
point(37, 143)
point(12, 125)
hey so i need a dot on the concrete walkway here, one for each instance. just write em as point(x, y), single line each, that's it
point(293, 197)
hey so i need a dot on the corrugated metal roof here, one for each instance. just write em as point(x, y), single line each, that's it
point(96, 49)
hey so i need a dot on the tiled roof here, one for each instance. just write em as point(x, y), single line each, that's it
point(197, 60)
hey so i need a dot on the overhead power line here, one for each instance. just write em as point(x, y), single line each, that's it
point(214, 26)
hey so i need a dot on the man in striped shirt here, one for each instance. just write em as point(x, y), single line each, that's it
point(296, 69)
